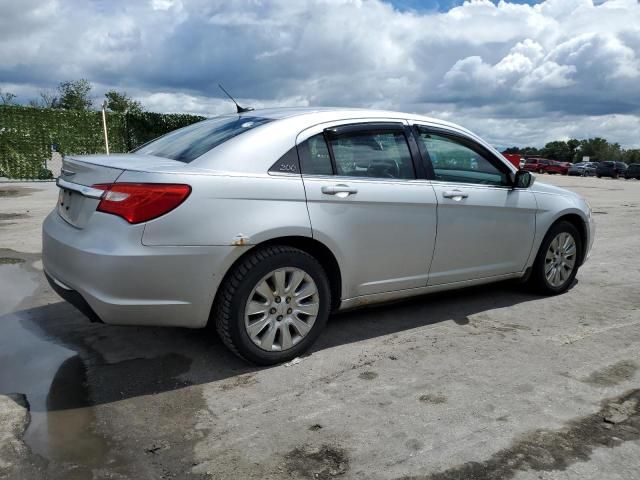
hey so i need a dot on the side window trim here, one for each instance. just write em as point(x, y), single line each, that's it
point(332, 157)
point(287, 164)
point(363, 128)
point(424, 158)
point(463, 140)
point(416, 154)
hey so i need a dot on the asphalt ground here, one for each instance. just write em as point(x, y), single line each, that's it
point(485, 383)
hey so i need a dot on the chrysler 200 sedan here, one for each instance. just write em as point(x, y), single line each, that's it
point(264, 222)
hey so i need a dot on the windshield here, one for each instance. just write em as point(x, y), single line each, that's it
point(188, 143)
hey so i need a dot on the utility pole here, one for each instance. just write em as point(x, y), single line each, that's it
point(104, 125)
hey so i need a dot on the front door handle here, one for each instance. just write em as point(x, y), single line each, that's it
point(339, 190)
point(455, 194)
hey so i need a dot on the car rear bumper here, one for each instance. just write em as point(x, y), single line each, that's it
point(107, 273)
point(73, 297)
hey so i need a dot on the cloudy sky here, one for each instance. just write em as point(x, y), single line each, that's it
point(517, 72)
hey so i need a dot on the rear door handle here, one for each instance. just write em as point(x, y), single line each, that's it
point(340, 190)
point(455, 194)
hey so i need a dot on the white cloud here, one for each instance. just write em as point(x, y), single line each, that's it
point(166, 4)
point(516, 73)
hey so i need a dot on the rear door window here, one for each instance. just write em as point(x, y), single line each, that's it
point(314, 156)
point(372, 154)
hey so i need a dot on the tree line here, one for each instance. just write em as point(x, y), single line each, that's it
point(573, 150)
point(76, 95)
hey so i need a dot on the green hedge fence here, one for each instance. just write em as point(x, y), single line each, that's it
point(28, 136)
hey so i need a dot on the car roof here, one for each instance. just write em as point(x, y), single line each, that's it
point(277, 137)
point(340, 113)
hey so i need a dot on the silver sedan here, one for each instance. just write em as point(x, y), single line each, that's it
point(264, 222)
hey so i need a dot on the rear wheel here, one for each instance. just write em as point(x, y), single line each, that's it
point(558, 259)
point(273, 305)
point(540, 170)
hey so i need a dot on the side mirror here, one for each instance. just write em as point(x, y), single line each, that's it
point(523, 179)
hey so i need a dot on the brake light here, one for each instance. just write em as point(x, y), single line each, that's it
point(141, 202)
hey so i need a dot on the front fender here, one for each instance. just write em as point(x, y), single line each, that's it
point(554, 206)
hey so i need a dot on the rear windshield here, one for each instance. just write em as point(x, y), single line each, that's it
point(188, 143)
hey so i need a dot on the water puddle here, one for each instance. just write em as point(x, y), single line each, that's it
point(15, 284)
point(54, 380)
point(52, 377)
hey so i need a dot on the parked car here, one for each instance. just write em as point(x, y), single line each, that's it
point(633, 171)
point(557, 167)
point(539, 165)
point(262, 223)
point(583, 169)
point(611, 169)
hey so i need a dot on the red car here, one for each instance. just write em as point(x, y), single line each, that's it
point(558, 167)
point(535, 164)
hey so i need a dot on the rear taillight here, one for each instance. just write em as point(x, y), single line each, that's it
point(141, 202)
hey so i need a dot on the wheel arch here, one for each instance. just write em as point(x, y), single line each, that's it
point(578, 222)
point(309, 245)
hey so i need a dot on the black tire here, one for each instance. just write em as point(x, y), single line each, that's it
point(228, 310)
point(540, 171)
point(538, 280)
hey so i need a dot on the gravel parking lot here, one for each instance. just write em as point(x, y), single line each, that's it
point(485, 383)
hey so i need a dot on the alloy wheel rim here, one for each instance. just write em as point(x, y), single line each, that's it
point(560, 259)
point(281, 309)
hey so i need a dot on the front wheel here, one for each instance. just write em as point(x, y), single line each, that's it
point(272, 305)
point(558, 259)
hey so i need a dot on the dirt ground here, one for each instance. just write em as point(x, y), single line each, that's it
point(484, 383)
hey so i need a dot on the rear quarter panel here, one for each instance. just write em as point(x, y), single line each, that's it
point(222, 209)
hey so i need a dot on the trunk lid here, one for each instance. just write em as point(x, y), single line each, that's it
point(77, 201)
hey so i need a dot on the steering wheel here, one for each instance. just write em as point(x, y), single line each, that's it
point(384, 169)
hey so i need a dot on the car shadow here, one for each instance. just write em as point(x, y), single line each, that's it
point(63, 361)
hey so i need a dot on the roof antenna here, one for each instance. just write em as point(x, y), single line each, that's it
point(238, 107)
